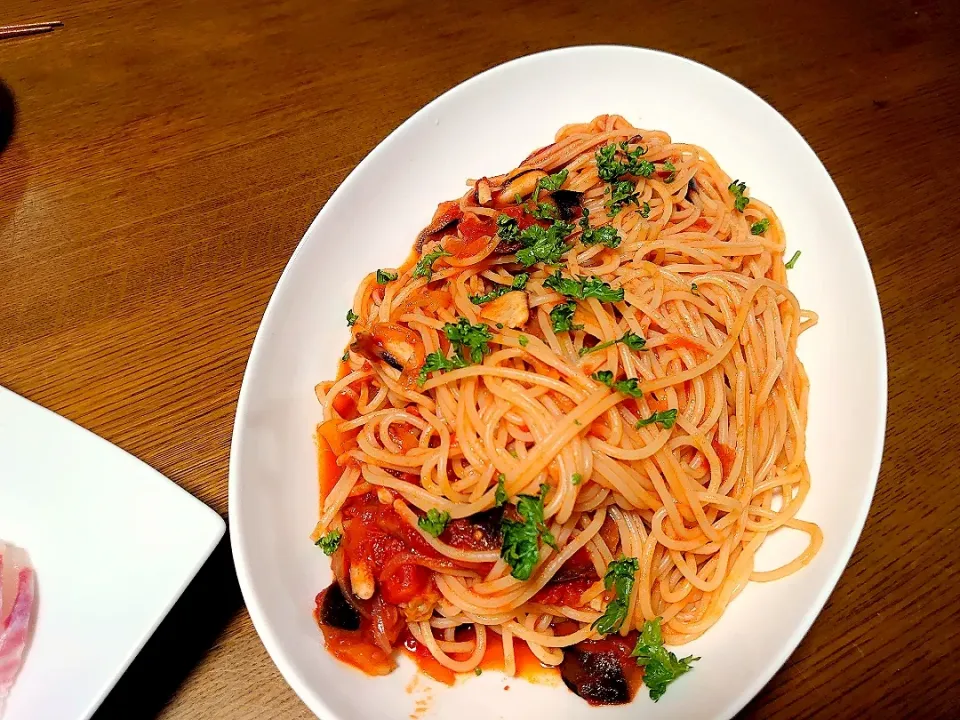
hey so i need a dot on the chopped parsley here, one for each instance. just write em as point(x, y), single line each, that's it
point(330, 542)
point(544, 211)
point(738, 188)
point(383, 277)
point(508, 229)
point(629, 338)
point(664, 418)
point(424, 268)
point(521, 540)
point(500, 496)
point(792, 261)
point(620, 577)
point(576, 479)
point(694, 289)
point(519, 283)
point(669, 167)
point(434, 522)
point(616, 160)
point(583, 288)
point(604, 235)
point(645, 210)
point(478, 671)
point(759, 227)
point(523, 340)
point(627, 387)
point(660, 667)
point(345, 356)
point(553, 182)
point(621, 194)
point(352, 317)
point(561, 317)
point(545, 245)
point(473, 338)
point(438, 362)
point(645, 169)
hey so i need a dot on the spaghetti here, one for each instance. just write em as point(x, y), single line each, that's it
point(568, 422)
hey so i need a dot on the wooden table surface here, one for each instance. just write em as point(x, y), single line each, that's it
point(167, 156)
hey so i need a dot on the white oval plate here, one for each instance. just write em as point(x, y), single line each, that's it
point(483, 127)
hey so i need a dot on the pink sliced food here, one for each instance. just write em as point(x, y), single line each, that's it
point(16, 612)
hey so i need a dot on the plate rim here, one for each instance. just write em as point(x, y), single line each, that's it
point(314, 701)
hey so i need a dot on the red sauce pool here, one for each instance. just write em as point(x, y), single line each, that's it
point(528, 666)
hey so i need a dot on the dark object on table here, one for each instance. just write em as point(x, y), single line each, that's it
point(8, 116)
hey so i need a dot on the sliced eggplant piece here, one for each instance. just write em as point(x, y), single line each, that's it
point(507, 248)
point(336, 612)
point(567, 202)
point(597, 677)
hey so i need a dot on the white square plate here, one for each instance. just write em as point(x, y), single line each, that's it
point(114, 544)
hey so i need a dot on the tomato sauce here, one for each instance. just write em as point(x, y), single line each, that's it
point(563, 593)
point(524, 219)
point(527, 664)
point(352, 643)
point(376, 535)
point(726, 454)
point(674, 340)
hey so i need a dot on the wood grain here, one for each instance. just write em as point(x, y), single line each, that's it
point(168, 156)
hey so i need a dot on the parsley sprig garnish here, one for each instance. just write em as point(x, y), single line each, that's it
point(521, 540)
point(434, 522)
point(519, 283)
point(508, 229)
point(424, 267)
point(603, 235)
point(553, 182)
point(470, 338)
point(500, 496)
point(620, 577)
point(670, 168)
point(469, 342)
point(617, 160)
point(664, 418)
point(561, 317)
point(438, 362)
point(544, 211)
point(660, 667)
point(629, 338)
point(330, 542)
point(738, 188)
point(621, 194)
point(544, 245)
point(628, 387)
point(583, 287)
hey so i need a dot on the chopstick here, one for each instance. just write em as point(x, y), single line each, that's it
point(12, 31)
